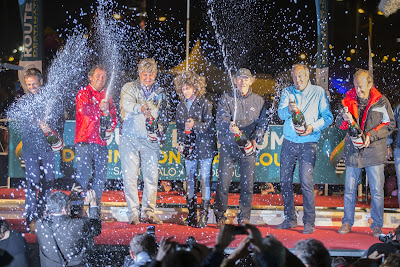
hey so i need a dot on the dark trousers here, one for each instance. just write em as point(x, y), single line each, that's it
point(229, 156)
point(90, 156)
point(305, 154)
point(34, 163)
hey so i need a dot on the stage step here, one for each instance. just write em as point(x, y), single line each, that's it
point(260, 215)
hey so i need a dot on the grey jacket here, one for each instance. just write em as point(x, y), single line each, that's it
point(377, 121)
point(204, 126)
point(132, 100)
point(251, 116)
point(71, 234)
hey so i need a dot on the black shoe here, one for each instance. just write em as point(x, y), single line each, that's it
point(286, 224)
point(203, 219)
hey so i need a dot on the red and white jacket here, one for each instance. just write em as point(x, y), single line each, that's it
point(88, 115)
point(377, 122)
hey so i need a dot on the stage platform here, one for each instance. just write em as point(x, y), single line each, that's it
point(267, 211)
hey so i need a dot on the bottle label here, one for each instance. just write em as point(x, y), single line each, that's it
point(300, 129)
point(358, 142)
point(248, 148)
point(152, 137)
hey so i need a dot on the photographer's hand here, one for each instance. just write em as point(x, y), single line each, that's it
point(225, 236)
point(91, 197)
point(255, 237)
point(164, 249)
point(241, 251)
point(376, 255)
point(76, 188)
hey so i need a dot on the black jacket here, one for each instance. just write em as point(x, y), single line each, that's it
point(16, 246)
point(71, 234)
point(204, 126)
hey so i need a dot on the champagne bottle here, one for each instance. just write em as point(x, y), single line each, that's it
point(298, 119)
point(356, 134)
point(152, 128)
point(105, 125)
point(244, 144)
point(188, 145)
point(54, 140)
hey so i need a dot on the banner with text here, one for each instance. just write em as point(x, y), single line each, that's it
point(171, 163)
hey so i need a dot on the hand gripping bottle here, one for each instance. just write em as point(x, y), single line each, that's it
point(105, 129)
point(55, 141)
point(355, 133)
point(298, 119)
point(152, 128)
point(244, 144)
point(188, 145)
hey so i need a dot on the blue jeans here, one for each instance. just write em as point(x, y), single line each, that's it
point(229, 156)
point(376, 181)
point(88, 156)
point(396, 155)
point(305, 154)
point(35, 206)
point(205, 173)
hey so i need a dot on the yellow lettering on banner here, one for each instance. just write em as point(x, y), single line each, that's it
point(116, 156)
point(109, 156)
point(216, 159)
point(176, 157)
point(276, 160)
point(68, 151)
point(164, 159)
point(264, 163)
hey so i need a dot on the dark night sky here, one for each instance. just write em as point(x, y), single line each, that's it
point(266, 36)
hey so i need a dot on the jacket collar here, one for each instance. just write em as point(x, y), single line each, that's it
point(350, 101)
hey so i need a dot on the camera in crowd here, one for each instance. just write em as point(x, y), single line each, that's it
point(387, 238)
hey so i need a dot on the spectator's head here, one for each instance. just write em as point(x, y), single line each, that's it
point(300, 76)
point(181, 258)
point(312, 253)
point(338, 261)
point(33, 80)
point(243, 80)
point(98, 77)
point(58, 203)
point(143, 243)
point(397, 233)
point(4, 228)
point(147, 70)
point(391, 260)
point(188, 83)
point(363, 83)
point(273, 253)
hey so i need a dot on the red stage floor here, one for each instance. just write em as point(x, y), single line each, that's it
point(120, 233)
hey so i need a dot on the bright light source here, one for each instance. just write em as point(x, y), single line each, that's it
point(162, 18)
point(348, 58)
point(380, 13)
point(15, 51)
point(20, 48)
point(361, 11)
point(11, 59)
point(393, 59)
point(372, 54)
point(117, 16)
point(385, 57)
point(352, 50)
point(303, 56)
point(330, 46)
